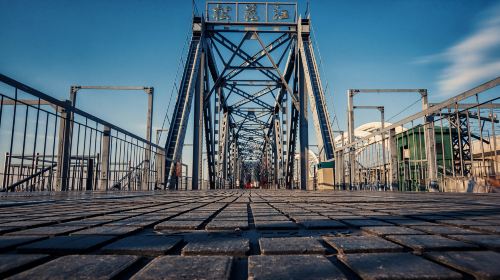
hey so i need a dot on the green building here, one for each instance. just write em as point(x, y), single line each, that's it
point(412, 162)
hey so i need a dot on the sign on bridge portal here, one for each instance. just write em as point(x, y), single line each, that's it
point(251, 12)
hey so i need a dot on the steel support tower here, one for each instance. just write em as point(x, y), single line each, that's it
point(252, 71)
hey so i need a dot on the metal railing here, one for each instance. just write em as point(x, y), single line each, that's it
point(49, 145)
point(451, 146)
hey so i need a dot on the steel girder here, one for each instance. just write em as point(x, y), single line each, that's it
point(278, 153)
point(222, 156)
point(177, 131)
point(316, 94)
point(461, 144)
point(254, 76)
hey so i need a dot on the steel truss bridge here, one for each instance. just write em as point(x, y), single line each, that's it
point(248, 83)
point(251, 83)
point(85, 198)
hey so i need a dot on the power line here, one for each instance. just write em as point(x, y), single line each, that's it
point(406, 108)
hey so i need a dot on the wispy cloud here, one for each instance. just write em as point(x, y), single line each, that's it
point(471, 61)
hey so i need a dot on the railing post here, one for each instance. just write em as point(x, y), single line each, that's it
point(130, 171)
point(106, 134)
point(33, 181)
point(64, 147)
point(160, 166)
point(90, 174)
point(146, 169)
point(6, 171)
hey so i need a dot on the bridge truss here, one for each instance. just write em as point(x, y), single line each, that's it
point(249, 76)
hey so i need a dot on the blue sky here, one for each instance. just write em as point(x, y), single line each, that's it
point(445, 46)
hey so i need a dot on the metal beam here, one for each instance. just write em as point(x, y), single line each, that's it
point(317, 99)
point(146, 89)
point(176, 133)
point(303, 129)
point(31, 102)
point(470, 105)
point(248, 96)
point(431, 110)
point(197, 125)
point(355, 91)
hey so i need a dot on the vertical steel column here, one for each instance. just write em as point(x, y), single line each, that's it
point(149, 124)
point(222, 156)
point(393, 164)
point(149, 135)
point(229, 159)
point(106, 144)
point(351, 163)
point(339, 163)
point(493, 136)
point(238, 170)
point(382, 124)
point(198, 125)
point(430, 143)
point(292, 130)
point(303, 129)
point(235, 163)
point(216, 135)
point(64, 147)
point(336, 177)
point(160, 161)
point(278, 159)
point(342, 164)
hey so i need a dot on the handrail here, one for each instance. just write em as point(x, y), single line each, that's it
point(67, 106)
point(464, 95)
point(31, 90)
point(114, 127)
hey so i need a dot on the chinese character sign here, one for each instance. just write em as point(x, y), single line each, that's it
point(250, 12)
point(279, 14)
point(221, 13)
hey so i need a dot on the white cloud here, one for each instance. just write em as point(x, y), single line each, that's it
point(426, 59)
point(470, 61)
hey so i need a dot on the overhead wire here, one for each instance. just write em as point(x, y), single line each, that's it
point(404, 109)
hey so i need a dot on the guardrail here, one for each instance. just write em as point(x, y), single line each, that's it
point(49, 145)
point(451, 146)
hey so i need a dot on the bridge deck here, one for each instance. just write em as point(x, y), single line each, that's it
point(254, 234)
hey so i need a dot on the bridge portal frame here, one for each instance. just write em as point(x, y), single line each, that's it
point(255, 137)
